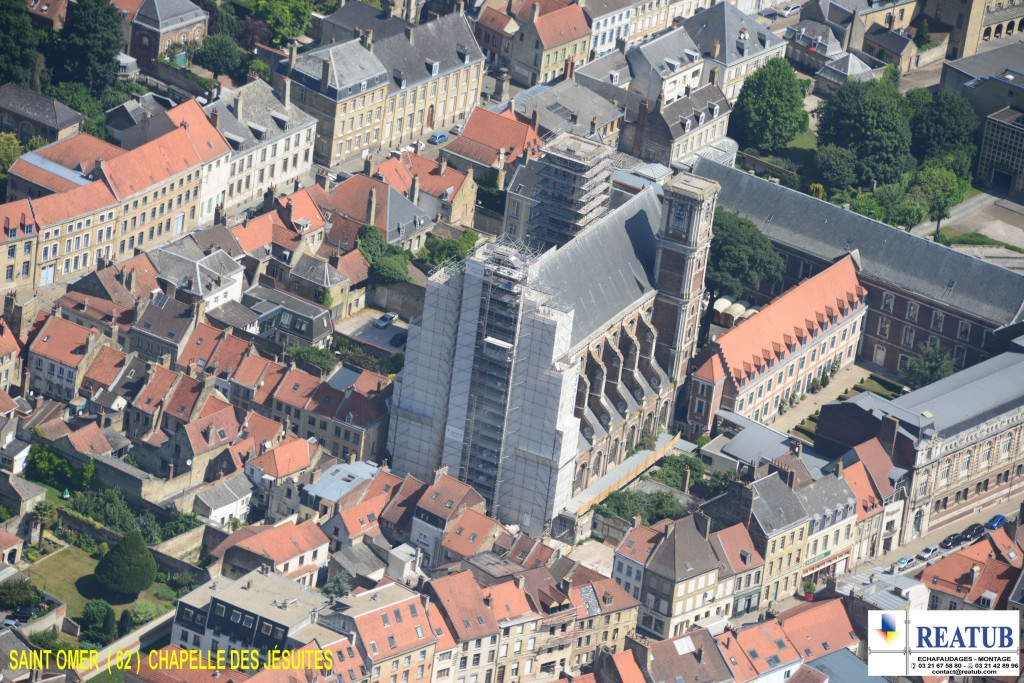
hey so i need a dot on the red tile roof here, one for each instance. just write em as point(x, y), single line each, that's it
point(151, 164)
point(214, 431)
point(8, 540)
point(156, 390)
point(104, 369)
point(291, 456)
point(627, 668)
point(403, 633)
point(470, 532)
point(145, 275)
point(129, 7)
point(400, 510)
point(790, 319)
point(354, 267)
point(447, 497)
point(261, 375)
point(878, 464)
point(261, 429)
point(736, 543)
point(486, 133)
point(9, 343)
point(62, 341)
point(462, 600)
point(611, 597)
point(562, 26)
point(818, 628)
point(399, 171)
point(738, 648)
point(7, 404)
point(80, 152)
point(349, 201)
point(54, 209)
point(383, 482)
point(952, 575)
point(206, 140)
point(213, 350)
point(89, 440)
point(496, 20)
point(1006, 548)
point(99, 309)
point(638, 544)
point(869, 503)
point(508, 601)
point(297, 388)
point(184, 398)
point(285, 542)
point(711, 371)
point(523, 9)
point(364, 517)
point(17, 214)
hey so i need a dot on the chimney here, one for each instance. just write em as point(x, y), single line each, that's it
point(716, 48)
point(409, 35)
point(839, 468)
point(512, 107)
point(215, 117)
point(703, 523)
point(593, 126)
point(520, 581)
point(238, 106)
point(366, 40)
point(687, 474)
point(620, 45)
point(570, 68)
point(371, 206)
point(975, 573)
point(574, 117)
point(460, 7)
point(286, 211)
point(887, 433)
point(368, 165)
point(293, 54)
point(129, 281)
point(535, 11)
point(287, 92)
point(534, 120)
point(443, 161)
point(326, 76)
point(414, 191)
point(417, 147)
point(637, 520)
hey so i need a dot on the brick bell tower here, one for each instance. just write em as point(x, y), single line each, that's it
point(683, 244)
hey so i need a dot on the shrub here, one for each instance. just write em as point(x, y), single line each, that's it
point(129, 567)
point(144, 611)
point(19, 593)
point(165, 594)
point(314, 355)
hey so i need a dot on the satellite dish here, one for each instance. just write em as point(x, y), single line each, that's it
point(189, 463)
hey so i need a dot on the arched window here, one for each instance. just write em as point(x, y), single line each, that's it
point(26, 130)
point(6, 123)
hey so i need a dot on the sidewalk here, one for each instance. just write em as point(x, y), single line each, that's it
point(845, 379)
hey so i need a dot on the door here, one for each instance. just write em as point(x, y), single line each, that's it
point(179, 223)
point(47, 276)
point(878, 358)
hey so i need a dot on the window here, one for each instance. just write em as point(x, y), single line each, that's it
point(912, 311)
point(887, 300)
point(938, 317)
point(908, 337)
point(963, 331)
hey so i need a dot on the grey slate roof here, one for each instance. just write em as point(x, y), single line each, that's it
point(603, 69)
point(134, 111)
point(972, 395)
point(351, 65)
point(555, 105)
point(618, 253)
point(166, 319)
point(226, 492)
point(233, 314)
point(842, 666)
point(273, 303)
point(887, 254)
point(810, 33)
point(447, 40)
point(826, 495)
point(36, 107)
point(217, 237)
point(263, 110)
point(186, 265)
point(990, 63)
point(776, 506)
point(598, 9)
point(845, 68)
point(666, 53)
point(892, 41)
point(352, 16)
point(337, 481)
point(753, 442)
point(318, 271)
point(683, 553)
point(165, 15)
point(403, 216)
point(359, 560)
point(670, 124)
point(723, 22)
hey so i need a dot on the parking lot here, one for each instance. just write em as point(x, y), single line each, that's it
point(360, 327)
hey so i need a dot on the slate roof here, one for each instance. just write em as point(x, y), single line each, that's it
point(133, 112)
point(555, 105)
point(825, 495)
point(776, 506)
point(351, 65)
point(353, 16)
point(262, 109)
point(39, 108)
point(814, 34)
point(359, 560)
point(227, 491)
point(723, 22)
point(845, 68)
point(683, 552)
point(892, 41)
point(318, 271)
point(166, 319)
point(990, 62)
point(669, 125)
point(617, 252)
point(602, 69)
point(264, 300)
point(665, 53)
point(394, 214)
point(167, 15)
point(887, 254)
point(598, 9)
point(233, 314)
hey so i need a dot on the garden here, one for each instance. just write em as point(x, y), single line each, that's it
point(874, 383)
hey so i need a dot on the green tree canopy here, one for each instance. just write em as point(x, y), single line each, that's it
point(937, 190)
point(19, 40)
point(19, 593)
point(89, 44)
point(930, 365)
point(287, 19)
point(78, 97)
point(45, 515)
point(867, 205)
point(837, 166)
point(219, 53)
point(741, 256)
point(97, 622)
point(339, 586)
point(129, 567)
point(923, 36)
point(371, 243)
point(948, 122)
point(769, 112)
point(869, 119)
point(390, 269)
point(314, 355)
point(125, 624)
point(46, 466)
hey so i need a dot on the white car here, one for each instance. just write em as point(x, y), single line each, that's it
point(928, 553)
point(789, 10)
point(385, 320)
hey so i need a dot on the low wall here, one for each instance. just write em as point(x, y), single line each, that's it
point(488, 222)
point(179, 78)
point(403, 298)
point(609, 528)
point(54, 619)
point(933, 55)
point(144, 635)
point(186, 546)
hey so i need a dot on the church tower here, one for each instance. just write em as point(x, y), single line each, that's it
point(684, 241)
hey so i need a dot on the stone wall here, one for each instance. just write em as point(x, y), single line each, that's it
point(609, 528)
point(186, 546)
point(403, 298)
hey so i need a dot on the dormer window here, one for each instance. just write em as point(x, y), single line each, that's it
point(686, 126)
point(714, 110)
point(700, 118)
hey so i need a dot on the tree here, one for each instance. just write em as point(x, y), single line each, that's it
point(741, 256)
point(837, 166)
point(126, 624)
point(314, 355)
point(97, 622)
point(19, 593)
point(868, 119)
point(937, 190)
point(35, 142)
point(78, 97)
point(260, 69)
point(129, 567)
point(867, 205)
point(45, 515)
point(339, 586)
point(10, 150)
point(671, 472)
point(816, 190)
point(930, 365)
point(661, 505)
point(89, 44)
point(948, 122)
point(287, 19)
point(253, 31)
point(915, 100)
point(109, 626)
point(219, 53)
point(87, 475)
point(390, 269)
point(769, 112)
point(324, 297)
point(923, 36)
point(20, 41)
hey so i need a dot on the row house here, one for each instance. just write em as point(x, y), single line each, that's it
point(609, 23)
point(370, 94)
point(777, 353)
point(869, 509)
point(437, 512)
point(914, 299)
point(271, 468)
point(473, 532)
point(605, 615)
point(550, 45)
point(271, 141)
point(328, 487)
point(890, 482)
point(830, 504)
point(958, 439)
point(162, 328)
point(59, 356)
point(296, 551)
point(648, 18)
point(106, 298)
point(212, 352)
point(668, 66)
point(498, 23)
point(110, 384)
point(442, 192)
point(978, 577)
point(493, 145)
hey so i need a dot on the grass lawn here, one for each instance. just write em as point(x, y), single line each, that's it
point(68, 575)
point(53, 495)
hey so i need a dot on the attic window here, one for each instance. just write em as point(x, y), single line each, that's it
point(221, 434)
point(479, 619)
point(779, 643)
point(201, 362)
point(46, 339)
point(199, 342)
point(466, 622)
point(448, 504)
point(147, 325)
point(181, 410)
point(433, 496)
point(295, 387)
point(753, 654)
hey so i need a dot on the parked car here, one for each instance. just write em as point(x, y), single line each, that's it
point(23, 613)
point(996, 522)
point(769, 13)
point(789, 10)
point(952, 541)
point(973, 532)
point(385, 320)
point(399, 339)
point(11, 622)
point(457, 129)
point(928, 553)
point(438, 138)
point(905, 563)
